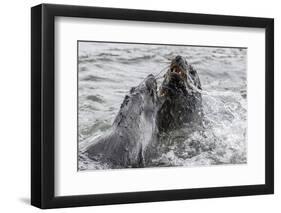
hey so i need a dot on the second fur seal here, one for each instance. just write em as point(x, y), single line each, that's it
point(180, 101)
point(132, 130)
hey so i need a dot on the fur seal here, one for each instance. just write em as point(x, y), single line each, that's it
point(132, 130)
point(180, 100)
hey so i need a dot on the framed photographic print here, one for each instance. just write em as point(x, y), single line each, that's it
point(140, 106)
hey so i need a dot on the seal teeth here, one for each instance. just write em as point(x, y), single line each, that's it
point(177, 70)
point(162, 93)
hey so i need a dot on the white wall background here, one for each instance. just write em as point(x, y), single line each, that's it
point(15, 105)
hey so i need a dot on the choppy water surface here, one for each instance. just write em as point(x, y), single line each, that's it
point(106, 72)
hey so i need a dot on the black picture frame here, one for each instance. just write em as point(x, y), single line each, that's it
point(43, 105)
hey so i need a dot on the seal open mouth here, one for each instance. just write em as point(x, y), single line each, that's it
point(179, 66)
point(176, 78)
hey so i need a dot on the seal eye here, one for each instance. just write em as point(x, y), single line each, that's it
point(192, 72)
point(132, 90)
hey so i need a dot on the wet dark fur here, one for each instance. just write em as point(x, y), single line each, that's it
point(132, 130)
point(180, 104)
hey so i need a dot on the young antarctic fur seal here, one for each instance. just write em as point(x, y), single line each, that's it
point(180, 100)
point(132, 130)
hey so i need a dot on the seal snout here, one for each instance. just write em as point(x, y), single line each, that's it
point(151, 83)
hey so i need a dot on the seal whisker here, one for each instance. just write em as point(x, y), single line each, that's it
point(159, 77)
point(161, 71)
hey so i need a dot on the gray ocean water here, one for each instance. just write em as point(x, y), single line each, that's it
point(107, 71)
